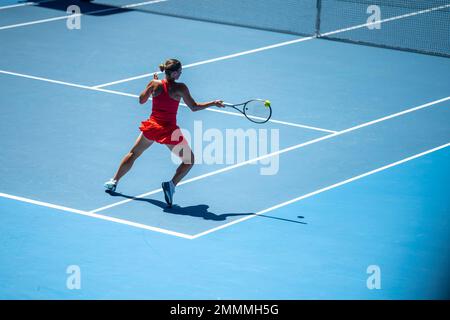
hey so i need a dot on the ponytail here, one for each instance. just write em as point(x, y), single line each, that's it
point(169, 66)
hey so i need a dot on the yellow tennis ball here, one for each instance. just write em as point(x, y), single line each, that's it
point(267, 103)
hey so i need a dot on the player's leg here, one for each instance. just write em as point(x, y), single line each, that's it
point(141, 144)
point(187, 162)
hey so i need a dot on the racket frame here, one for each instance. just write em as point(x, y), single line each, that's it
point(249, 117)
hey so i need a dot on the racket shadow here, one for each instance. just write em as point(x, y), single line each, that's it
point(198, 211)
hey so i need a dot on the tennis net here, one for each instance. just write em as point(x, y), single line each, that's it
point(413, 25)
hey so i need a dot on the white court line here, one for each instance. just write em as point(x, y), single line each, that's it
point(283, 204)
point(191, 237)
point(39, 21)
point(301, 145)
point(243, 163)
point(272, 120)
point(234, 55)
point(18, 5)
point(23, 4)
point(136, 96)
point(96, 216)
point(236, 114)
point(67, 83)
point(277, 45)
point(282, 44)
point(78, 15)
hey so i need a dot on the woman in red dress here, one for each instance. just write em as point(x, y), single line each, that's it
point(162, 125)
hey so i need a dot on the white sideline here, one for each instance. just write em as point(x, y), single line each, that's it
point(136, 96)
point(301, 145)
point(11, 26)
point(272, 120)
point(22, 5)
point(280, 205)
point(191, 237)
point(94, 215)
point(66, 83)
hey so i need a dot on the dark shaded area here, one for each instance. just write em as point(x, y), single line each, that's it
point(86, 7)
point(199, 211)
point(89, 7)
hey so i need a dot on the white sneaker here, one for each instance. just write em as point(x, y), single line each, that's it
point(111, 185)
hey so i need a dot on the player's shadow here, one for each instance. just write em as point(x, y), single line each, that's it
point(199, 211)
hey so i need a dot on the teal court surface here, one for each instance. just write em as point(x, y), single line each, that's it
point(356, 151)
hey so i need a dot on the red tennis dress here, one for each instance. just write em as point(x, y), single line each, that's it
point(162, 126)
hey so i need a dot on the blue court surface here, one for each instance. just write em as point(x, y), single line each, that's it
point(343, 194)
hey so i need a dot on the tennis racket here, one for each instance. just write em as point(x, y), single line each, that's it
point(255, 110)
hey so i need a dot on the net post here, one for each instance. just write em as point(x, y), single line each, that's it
point(318, 13)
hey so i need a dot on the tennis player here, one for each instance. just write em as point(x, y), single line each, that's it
point(162, 125)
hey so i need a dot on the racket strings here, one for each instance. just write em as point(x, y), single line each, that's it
point(257, 111)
